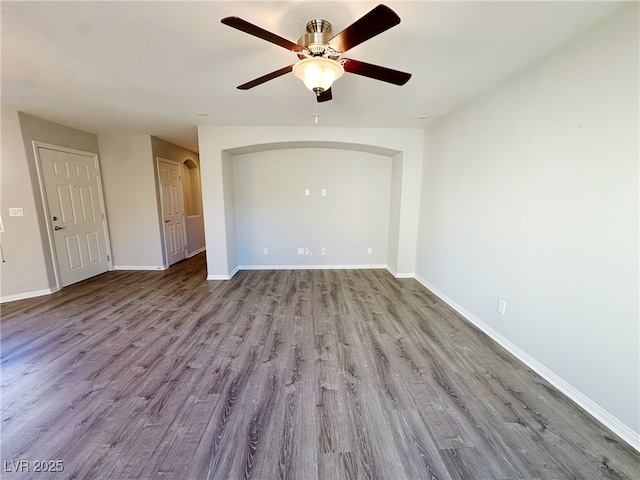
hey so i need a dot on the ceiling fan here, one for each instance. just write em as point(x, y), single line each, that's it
point(319, 51)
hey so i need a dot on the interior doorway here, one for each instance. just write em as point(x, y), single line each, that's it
point(172, 206)
point(74, 206)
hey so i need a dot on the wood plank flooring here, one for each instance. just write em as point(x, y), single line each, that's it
point(305, 374)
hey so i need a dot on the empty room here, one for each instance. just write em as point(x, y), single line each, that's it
point(320, 240)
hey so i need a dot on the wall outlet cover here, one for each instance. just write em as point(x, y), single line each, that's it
point(502, 306)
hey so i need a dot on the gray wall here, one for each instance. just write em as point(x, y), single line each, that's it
point(218, 145)
point(129, 186)
point(273, 212)
point(129, 169)
point(194, 223)
point(530, 194)
point(28, 267)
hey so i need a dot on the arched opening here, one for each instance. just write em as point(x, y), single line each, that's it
point(191, 187)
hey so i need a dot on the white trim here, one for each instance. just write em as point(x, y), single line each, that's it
point(194, 253)
point(599, 413)
point(25, 295)
point(405, 275)
point(295, 267)
point(36, 145)
point(219, 277)
point(181, 199)
point(400, 275)
point(139, 267)
point(311, 267)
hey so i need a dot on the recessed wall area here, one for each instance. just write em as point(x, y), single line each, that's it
point(312, 207)
point(402, 150)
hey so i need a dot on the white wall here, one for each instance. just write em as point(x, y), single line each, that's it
point(530, 194)
point(228, 194)
point(395, 205)
point(217, 143)
point(129, 186)
point(272, 210)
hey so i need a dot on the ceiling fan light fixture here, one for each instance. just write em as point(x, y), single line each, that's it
point(318, 73)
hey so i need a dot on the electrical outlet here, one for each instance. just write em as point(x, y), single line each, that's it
point(307, 251)
point(265, 251)
point(502, 306)
point(301, 251)
point(323, 251)
point(306, 192)
point(369, 251)
point(323, 192)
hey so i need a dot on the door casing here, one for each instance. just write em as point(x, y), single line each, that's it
point(180, 198)
point(37, 145)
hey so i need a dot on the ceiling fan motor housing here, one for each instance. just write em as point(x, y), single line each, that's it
point(315, 40)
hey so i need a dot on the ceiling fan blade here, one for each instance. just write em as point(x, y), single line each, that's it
point(265, 78)
point(256, 31)
point(376, 72)
point(324, 96)
point(373, 23)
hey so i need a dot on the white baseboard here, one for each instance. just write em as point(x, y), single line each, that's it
point(611, 422)
point(293, 267)
point(400, 275)
point(139, 267)
point(405, 275)
point(219, 277)
point(26, 295)
point(311, 267)
point(196, 252)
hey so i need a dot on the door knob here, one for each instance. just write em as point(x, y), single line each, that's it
point(166, 221)
point(58, 228)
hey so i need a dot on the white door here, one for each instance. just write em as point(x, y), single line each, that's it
point(74, 204)
point(172, 201)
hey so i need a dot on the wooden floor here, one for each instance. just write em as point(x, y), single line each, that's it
point(278, 374)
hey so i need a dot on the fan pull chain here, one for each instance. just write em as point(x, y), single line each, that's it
point(315, 115)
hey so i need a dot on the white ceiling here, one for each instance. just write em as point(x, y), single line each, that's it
point(149, 67)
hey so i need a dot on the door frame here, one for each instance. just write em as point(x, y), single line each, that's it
point(184, 215)
point(43, 194)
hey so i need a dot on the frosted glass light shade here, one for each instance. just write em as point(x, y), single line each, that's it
point(318, 73)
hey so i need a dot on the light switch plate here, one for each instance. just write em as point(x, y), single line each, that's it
point(16, 212)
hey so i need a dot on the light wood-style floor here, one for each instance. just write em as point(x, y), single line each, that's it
point(278, 374)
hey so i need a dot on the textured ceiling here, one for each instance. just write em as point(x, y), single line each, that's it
point(151, 67)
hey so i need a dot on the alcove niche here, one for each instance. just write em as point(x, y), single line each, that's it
point(254, 198)
point(312, 207)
